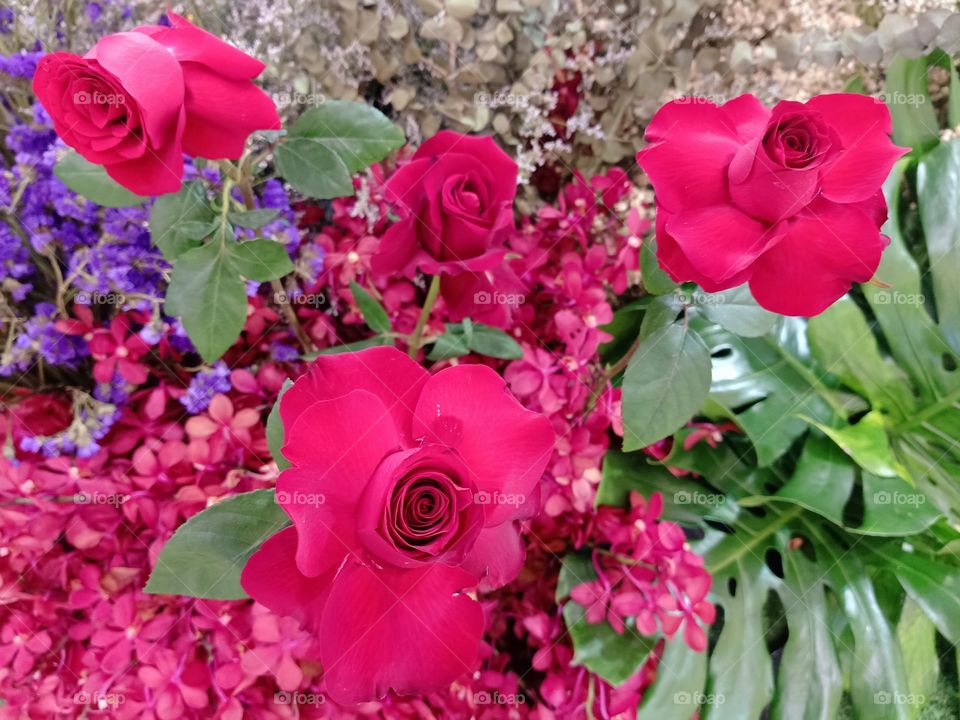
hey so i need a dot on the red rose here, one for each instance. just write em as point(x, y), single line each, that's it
point(455, 199)
point(405, 490)
point(139, 100)
point(786, 199)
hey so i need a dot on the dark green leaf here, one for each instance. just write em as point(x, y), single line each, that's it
point(205, 556)
point(261, 260)
point(907, 94)
point(313, 169)
point(355, 346)
point(359, 134)
point(938, 188)
point(492, 342)
point(92, 182)
point(738, 312)
point(372, 311)
point(253, 219)
point(208, 295)
point(667, 380)
point(655, 280)
point(172, 216)
point(275, 429)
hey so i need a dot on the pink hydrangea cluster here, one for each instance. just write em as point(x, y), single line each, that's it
point(78, 535)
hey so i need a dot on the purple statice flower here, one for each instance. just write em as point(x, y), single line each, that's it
point(283, 353)
point(92, 420)
point(21, 64)
point(14, 256)
point(6, 19)
point(204, 385)
point(39, 339)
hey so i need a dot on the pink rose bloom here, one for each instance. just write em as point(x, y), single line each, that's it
point(788, 199)
point(455, 200)
point(405, 491)
point(139, 100)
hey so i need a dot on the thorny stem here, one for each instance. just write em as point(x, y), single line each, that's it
point(428, 303)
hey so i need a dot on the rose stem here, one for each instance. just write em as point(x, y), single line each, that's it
point(246, 192)
point(428, 303)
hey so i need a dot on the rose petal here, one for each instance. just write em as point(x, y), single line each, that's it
point(497, 556)
point(504, 446)
point(824, 251)
point(410, 631)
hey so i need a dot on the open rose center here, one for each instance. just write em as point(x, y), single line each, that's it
point(427, 508)
point(798, 142)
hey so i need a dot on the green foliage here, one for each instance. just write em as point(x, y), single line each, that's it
point(206, 554)
point(461, 338)
point(329, 143)
point(92, 182)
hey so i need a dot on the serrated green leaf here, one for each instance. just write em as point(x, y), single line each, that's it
point(493, 342)
point(360, 135)
point(665, 384)
point(92, 182)
point(655, 280)
point(206, 554)
point(261, 260)
point(738, 312)
point(171, 214)
point(373, 313)
point(313, 169)
point(208, 295)
point(253, 219)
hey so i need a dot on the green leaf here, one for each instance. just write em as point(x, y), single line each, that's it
point(376, 341)
point(738, 312)
point(866, 442)
point(655, 280)
point(313, 169)
point(932, 583)
point(92, 182)
point(172, 218)
point(199, 231)
point(757, 383)
point(253, 219)
point(907, 94)
point(844, 345)
point(206, 554)
point(261, 260)
point(678, 687)
point(741, 672)
point(372, 311)
point(451, 344)
point(328, 143)
point(665, 384)
point(492, 342)
point(208, 295)
point(275, 429)
point(359, 134)
point(938, 187)
point(596, 646)
point(809, 681)
point(917, 636)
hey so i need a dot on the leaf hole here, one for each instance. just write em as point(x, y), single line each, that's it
point(949, 362)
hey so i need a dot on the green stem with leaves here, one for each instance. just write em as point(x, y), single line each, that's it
point(416, 338)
